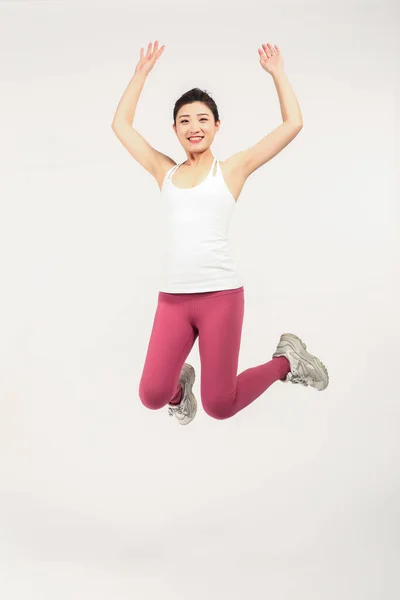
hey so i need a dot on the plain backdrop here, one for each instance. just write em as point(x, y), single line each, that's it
point(297, 496)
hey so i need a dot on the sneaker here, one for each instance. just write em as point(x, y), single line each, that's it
point(305, 368)
point(186, 410)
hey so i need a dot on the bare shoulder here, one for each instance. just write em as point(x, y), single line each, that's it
point(164, 164)
point(233, 172)
point(155, 162)
point(236, 161)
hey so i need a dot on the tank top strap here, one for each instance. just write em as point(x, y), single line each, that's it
point(210, 173)
point(216, 170)
point(172, 170)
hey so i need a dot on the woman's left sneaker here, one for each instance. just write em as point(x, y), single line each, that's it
point(305, 368)
point(186, 410)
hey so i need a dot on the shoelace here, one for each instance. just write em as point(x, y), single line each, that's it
point(178, 409)
point(302, 379)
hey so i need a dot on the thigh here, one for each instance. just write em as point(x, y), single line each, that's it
point(220, 320)
point(171, 340)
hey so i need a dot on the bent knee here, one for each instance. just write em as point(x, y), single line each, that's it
point(219, 410)
point(152, 397)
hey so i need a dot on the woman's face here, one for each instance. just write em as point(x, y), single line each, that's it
point(195, 119)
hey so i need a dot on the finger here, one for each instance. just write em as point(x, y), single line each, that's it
point(268, 49)
point(160, 51)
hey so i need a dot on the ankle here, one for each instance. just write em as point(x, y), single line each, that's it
point(178, 396)
point(284, 366)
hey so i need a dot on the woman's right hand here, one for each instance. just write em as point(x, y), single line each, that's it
point(147, 62)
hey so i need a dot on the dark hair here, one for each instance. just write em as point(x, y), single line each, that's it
point(196, 95)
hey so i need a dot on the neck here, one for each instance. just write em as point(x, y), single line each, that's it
point(199, 160)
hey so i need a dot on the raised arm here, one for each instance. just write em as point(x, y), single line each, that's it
point(250, 159)
point(152, 160)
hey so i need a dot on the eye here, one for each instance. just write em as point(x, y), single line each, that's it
point(202, 119)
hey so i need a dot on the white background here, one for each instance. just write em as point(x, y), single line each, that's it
point(297, 496)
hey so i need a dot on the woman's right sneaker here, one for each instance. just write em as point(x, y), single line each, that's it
point(186, 410)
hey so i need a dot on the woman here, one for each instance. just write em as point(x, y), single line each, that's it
point(201, 295)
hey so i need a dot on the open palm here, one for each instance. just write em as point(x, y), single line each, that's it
point(271, 58)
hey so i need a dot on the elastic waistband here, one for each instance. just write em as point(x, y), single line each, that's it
point(203, 294)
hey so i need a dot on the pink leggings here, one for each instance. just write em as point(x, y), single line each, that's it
point(216, 318)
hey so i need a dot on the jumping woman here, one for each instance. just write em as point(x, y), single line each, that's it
point(201, 295)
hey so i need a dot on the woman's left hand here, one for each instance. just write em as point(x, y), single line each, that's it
point(271, 59)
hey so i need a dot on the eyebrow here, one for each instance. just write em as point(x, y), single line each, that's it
point(198, 114)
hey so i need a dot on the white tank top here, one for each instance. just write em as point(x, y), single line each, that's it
point(196, 255)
